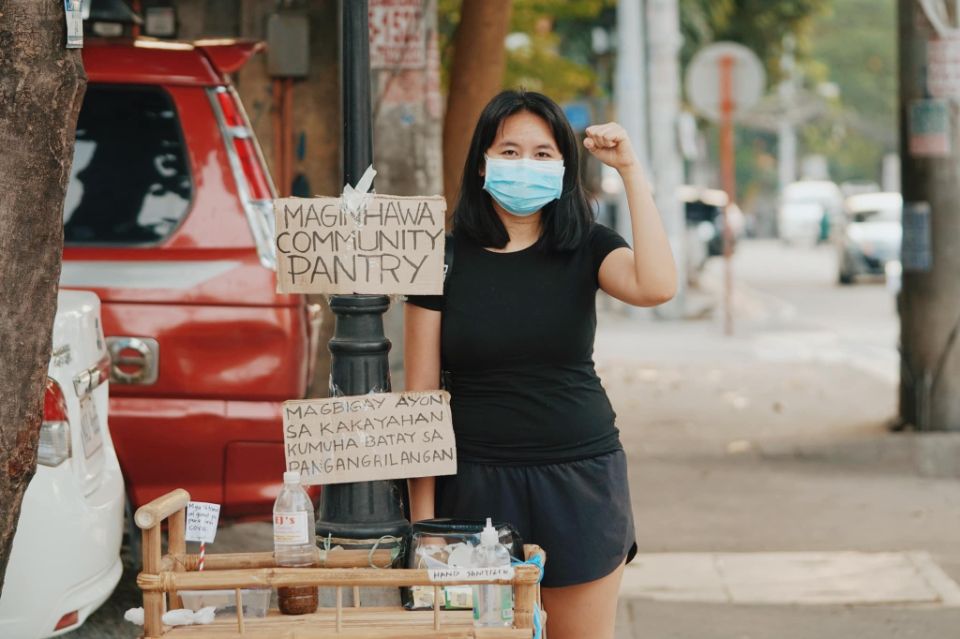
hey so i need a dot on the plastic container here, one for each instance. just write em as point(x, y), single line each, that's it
point(434, 543)
point(492, 603)
point(295, 543)
point(256, 601)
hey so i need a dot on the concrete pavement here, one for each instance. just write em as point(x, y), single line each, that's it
point(770, 498)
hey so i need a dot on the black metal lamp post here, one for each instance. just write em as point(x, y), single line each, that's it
point(357, 514)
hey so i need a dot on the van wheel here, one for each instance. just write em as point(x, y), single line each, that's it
point(845, 279)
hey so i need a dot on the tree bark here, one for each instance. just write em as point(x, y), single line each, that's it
point(41, 88)
point(479, 60)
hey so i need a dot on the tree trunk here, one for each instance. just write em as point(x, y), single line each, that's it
point(479, 59)
point(41, 87)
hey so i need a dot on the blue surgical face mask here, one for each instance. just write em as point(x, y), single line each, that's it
point(523, 187)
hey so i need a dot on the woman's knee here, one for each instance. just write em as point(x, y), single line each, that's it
point(583, 611)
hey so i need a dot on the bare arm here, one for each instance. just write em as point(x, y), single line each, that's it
point(421, 362)
point(647, 274)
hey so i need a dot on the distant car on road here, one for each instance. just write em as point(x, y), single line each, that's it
point(872, 235)
point(704, 213)
point(65, 559)
point(810, 211)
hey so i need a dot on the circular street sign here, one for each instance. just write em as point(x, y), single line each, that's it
point(703, 79)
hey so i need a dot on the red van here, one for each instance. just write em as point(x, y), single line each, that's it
point(168, 218)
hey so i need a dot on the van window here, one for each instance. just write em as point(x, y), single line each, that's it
point(130, 182)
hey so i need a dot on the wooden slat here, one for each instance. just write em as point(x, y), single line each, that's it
point(341, 558)
point(365, 623)
point(176, 546)
point(339, 608)
point(238, 597)
point(152, 601)
point(274, 577)
point(150, 515)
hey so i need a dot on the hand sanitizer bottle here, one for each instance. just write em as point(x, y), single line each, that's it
point(492, 603)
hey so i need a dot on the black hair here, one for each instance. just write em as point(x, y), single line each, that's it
point(566, 221)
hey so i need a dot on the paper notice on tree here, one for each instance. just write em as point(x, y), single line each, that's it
point(389, 244)
point(369, 437)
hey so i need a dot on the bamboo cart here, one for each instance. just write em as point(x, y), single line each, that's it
point(164, 575)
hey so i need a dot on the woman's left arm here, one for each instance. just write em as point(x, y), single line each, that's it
point(647, 274)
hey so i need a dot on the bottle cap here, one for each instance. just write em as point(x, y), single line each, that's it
point(489, 536)
point(291, 477)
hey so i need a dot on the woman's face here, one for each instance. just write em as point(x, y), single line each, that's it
point(524, 135)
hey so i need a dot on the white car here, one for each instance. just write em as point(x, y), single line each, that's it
point(800, 222)
point(65, 559)
point(803, 206)
point(872, 236)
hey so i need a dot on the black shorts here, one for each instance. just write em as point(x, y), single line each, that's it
point(579, 512)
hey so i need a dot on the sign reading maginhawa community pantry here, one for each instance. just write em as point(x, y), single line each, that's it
point(390, 244)
point(369, 437)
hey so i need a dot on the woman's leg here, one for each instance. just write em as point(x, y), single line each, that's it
point(584, 611)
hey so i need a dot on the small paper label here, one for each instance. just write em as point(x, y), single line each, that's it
point(495, 573)
point(290, 528)
point(202, 519)
point(74, 11)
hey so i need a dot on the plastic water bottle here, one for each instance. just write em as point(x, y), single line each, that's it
point(492, 604)
point(295, 543)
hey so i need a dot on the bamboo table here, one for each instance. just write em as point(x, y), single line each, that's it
point(165, 574)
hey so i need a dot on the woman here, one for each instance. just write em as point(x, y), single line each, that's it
point(512, 338)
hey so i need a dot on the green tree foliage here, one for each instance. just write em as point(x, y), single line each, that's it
point(544, 64)
point(760, 25)
point(854, 46)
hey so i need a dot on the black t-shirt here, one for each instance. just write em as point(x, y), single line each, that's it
point(517, 352)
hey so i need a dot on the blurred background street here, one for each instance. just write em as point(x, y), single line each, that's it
point(792, 424)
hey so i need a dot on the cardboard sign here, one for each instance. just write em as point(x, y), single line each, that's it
point(202, 519)
point(391, 245)
point(369, 437)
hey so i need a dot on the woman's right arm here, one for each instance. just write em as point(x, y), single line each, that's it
point(421, 363)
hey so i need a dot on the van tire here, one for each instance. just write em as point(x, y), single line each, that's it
point(130, 549)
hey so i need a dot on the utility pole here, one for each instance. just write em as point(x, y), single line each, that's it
point(930, 297)
point(664, 39)
point(630, 91)
point(650, 118)
point(366, 513)
point(787, 134)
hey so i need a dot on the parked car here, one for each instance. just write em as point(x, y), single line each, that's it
point(169, 219)
point(810, 211)
point(872, 236)
point(65, 559)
